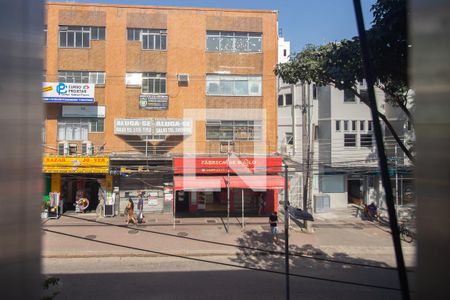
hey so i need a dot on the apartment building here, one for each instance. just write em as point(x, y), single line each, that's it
point(335, 128)
point(128, 89)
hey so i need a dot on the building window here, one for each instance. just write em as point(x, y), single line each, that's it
point(229, 41)
point(233, 130)
point(366, 140)
point(74, 36)
point(284, 52)
point(364, 96)
point(353, 125)
point(314, 91)
point(408, 125)
point(316, 132)
point(350, 140)
point(134, 34)
point(349, 96)
point(231, 85)
point(362, 125)
point(338, 125)
point(289, 138)
point(98, 33)
point(77, 129)
point(151, 39)
point(288, 99)
point(345, 125)
point(153, 83)
point(81, 77)
point(280, 100)
point(369, 125)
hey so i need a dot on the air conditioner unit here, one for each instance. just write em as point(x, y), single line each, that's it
point(63, 148)
point(87, 148)
point(183, 78)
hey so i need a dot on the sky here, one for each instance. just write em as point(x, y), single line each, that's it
point(301, 21)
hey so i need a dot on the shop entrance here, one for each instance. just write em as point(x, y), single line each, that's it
point(182, 201)
point(355, 194)
point(75, 187)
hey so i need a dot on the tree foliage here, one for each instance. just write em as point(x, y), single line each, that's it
point(340, 63)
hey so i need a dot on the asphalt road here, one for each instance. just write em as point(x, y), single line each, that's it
point(182, 278)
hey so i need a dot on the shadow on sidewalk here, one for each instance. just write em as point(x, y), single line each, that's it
point(300, 256)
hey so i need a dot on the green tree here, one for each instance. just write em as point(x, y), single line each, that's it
point(340, 63)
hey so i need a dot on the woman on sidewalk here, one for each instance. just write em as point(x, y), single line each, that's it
point(130, 212)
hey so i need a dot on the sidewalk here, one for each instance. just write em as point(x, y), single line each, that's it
point(82, 235)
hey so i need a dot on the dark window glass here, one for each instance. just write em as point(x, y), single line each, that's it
point(350, 140)
point(366, 140)
point(63, 39)
point(70, 39)
point(280, 100)
point(349, 96)
point(353, 125)
point(101, 33)
point(86, 40)
point(314, 91)
point(338, 125)
point(288, 99)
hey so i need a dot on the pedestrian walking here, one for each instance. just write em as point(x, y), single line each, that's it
point(141, 207)
point(273, 221)
point(130, 212)
point(261, 204)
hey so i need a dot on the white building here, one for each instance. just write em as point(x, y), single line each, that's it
point(343, 158)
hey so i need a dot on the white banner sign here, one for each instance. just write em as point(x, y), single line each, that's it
point(60, 92)
point(133, 126)
point(152, 127)
point(173, 127)
point(83, 111)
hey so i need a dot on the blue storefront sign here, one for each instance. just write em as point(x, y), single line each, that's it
point(61, 92)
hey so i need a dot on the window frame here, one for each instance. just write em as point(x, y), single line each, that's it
point(154, 77)
point(74, 30)
point(347, 142)
point(354, 125)
point(81, 122)
point(231, 130)
point(362, 125)
point(229, 82)
point(337, 125)
point(346, 97)
point(155, 34)
point(288, 96)
point(233, 37)
point(364, 140)
point(282, 100)
point(82, 74)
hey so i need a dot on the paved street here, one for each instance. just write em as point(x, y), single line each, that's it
point(199, 259)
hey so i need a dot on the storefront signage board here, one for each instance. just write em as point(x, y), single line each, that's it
point(154, 102)
point(221, 165)
point(173, 127)
point(144, 127)
point(62, 92)
point(82, 164)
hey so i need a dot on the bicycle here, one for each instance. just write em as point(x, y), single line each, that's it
point(406, 234)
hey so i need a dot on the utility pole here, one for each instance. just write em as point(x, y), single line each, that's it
point(306, 144)
point(397, 194)
point(228, 187)
point(293, 120)
point(286, 229)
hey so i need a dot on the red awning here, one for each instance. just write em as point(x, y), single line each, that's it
point(269, 182)
point(202, 183)
point(198, 183)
